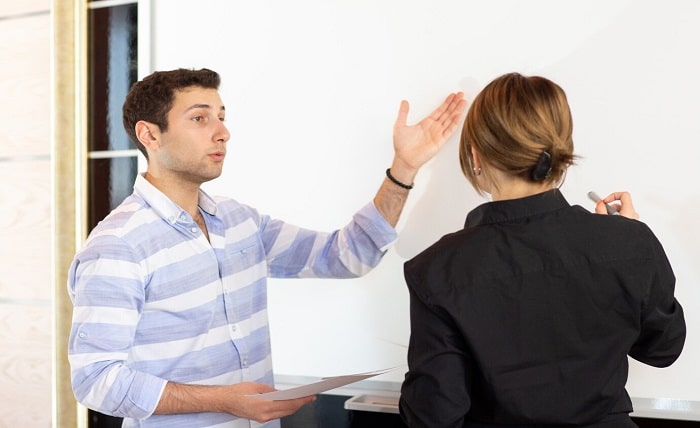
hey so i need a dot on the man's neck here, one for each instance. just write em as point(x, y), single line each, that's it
point(185, 194)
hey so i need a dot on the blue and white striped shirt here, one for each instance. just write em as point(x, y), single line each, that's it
point(154, 301)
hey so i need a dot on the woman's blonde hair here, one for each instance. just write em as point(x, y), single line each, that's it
point(519, 125)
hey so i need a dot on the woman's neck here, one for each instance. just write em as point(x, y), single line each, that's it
point(508, 187)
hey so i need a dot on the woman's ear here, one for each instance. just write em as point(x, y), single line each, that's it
point(147, 133)
point(476, 160)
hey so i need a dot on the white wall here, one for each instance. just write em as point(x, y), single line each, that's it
point(312, 88)
point(25, 215)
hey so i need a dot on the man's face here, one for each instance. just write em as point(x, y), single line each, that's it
point(194, 146)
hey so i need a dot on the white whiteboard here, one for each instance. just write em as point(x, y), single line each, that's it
point(312, 88)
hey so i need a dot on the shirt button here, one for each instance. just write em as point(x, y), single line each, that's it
point(82, 335)
point(182, 217)
point(171, 219)
point(245, 362)
point(234, 328)
point(194, 230)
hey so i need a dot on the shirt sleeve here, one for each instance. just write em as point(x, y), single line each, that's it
point(436, 390)
point(663, 329)
point(106, 286)
point(354, 250)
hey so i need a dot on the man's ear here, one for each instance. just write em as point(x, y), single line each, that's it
point(148, 134)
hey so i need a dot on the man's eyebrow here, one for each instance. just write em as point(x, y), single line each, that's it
point(206, 106)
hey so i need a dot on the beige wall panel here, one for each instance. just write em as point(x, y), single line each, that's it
point(25, 86)
point(25, 366)
point(25, 230)
point(11, 8)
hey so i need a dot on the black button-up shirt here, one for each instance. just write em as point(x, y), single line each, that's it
point(526, 317)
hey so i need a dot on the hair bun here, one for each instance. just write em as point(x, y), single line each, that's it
point(543, 167)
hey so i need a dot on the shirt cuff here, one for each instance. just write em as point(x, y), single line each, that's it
point(144, 395)
point(379, 230)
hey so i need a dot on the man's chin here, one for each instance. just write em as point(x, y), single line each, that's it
point(212, 175)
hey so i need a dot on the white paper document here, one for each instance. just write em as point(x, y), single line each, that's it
point(325, 384)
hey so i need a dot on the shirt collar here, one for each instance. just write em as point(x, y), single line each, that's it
point(513, 209)
point(165, 207)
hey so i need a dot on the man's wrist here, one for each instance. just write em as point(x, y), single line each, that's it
point(397, 181)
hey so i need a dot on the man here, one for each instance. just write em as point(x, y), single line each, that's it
point(170, 325)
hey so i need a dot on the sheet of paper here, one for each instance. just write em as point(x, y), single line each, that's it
point(325, 384)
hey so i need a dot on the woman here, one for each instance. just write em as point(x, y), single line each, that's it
point(527, 315)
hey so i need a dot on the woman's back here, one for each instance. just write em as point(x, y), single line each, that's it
point(527, 316)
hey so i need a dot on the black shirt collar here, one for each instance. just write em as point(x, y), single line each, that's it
point(513, 209)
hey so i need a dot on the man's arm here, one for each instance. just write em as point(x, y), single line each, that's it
point(413, 147)
point(233, 399)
